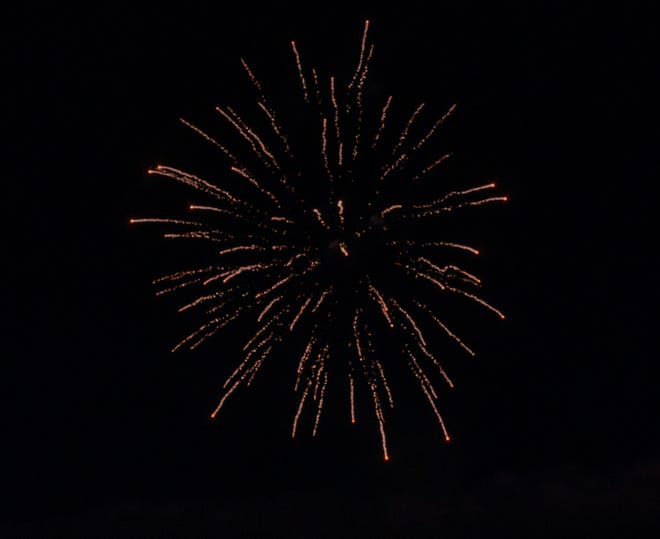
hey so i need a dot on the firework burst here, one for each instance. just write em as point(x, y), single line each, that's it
point(322, 243)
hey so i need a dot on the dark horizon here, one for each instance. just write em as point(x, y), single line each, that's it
point(553, 422)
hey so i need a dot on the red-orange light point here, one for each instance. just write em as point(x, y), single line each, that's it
point(387, 458)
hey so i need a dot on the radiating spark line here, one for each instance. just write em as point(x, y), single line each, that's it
point(415, 243)
point(365, 70)
point(319, 371)
point(356, 336)
point(305, 356)
point(362, 68)
point(299, 313)
point(317, 88)
point(324, 148)
point(234, 386)
point(465, 274)
point(390, 208)
point(383, 378)
point(196, 234)
point(430, 167)
point(209, 139)
point(437, 414)
point(352, 397)
point(240, 270)
point(382, 304)
point(421, 375)
point(239, 126)
point(340, 207)
point(183, 274)
point(205, 336)
point(437, 364)
point(320, 219)
point(246, 360)
point(299, 411)
point(253, 79)
point(170, 221)
point(295, 257)
point(262, 329)
point(256, 347)
point(381, 126)
point(215, 278)
point(197, 183)
point(410, 319)
point(242, 248)
point(440, 270)
point(257, 365)
point(199, 300)
point(217, 236)
point(358, 99)
point(381, 421)
point(423, 275)
point(263, 105)
point(177, 286)
point(246, 175)
point(251, 134)
point(430, 398)
point(404, 134)
point(224, 398)
point(320, 301)
point(236, 371)
point(220, 320)
point(462, 205)
point(361, 59)
point(320, 405)
point(452, 194)
point(477, 299)
point(435, 126)
point(275, 125)
point(333, 99)
point(283, 220)
point(223, 304)
point(274, 287)
point(445, 328)
point(391, 168)
point(300, 71)
point(216, 210)
point(267, 308)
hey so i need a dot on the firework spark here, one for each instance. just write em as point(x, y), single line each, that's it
point(314, 248)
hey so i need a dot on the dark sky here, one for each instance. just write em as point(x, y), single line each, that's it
point(554, 424)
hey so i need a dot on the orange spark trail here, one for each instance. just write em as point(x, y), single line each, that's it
point(300, 70)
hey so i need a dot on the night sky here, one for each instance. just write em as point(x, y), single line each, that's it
point(554, 423)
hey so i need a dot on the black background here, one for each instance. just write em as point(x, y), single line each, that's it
point(554, 424)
